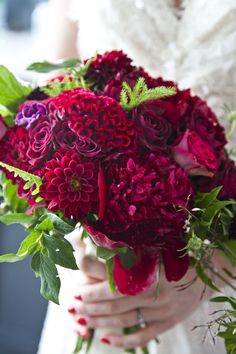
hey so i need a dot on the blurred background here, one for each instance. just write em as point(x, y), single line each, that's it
point(22, 309)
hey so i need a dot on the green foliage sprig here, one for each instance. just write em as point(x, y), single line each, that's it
point(130, 98)
point(74, 78)
point(29, 178)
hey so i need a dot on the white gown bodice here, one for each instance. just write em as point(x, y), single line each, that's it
point(195, 47)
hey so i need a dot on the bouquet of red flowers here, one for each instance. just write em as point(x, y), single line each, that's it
point(136, 162)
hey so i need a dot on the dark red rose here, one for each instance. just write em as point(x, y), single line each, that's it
point(225, 177)
point(195, 156)
point(70, 184)
point(204, 122)
point(153, 128)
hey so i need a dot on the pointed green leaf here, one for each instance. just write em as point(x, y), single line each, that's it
point(27, 247)
point(108, 254)
point(44, 268)
point(17, 218)
point(60, 251)
point(12, 92)
point(59, 224)
point(230, 300)
point(46, 66)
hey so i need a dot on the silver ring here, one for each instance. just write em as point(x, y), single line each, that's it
point(140, 318)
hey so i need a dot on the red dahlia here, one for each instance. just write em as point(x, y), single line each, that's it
point(70, 184)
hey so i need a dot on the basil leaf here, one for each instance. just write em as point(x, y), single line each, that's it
point(44, 268)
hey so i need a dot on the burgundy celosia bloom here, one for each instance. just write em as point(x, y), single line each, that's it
point(30, 112)
point(98, 118)
point(70, 184)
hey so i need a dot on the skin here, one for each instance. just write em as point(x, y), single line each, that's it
point(102, 308)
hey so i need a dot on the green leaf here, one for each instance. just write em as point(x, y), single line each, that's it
point(27, 247)
point(110, 268)
point(108, 254)
point(128, 259)
point(229, 250)
point(203, 200)
point(212, 210)
point(47, 67)
point(59, 224)
point(79, 345)
point(45, 225)
point(8, 116)
point(205, 278)
point(26, 176)
point(229, 299)
point(12, 92)
point(13, 203)
point(17, 218)
point(60, 251)
point(130, 98)
point(44, 268)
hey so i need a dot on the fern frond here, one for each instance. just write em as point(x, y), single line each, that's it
point(29, 178)
point(130, 98)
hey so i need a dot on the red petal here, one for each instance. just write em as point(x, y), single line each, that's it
point(138, 278)
point(176, 265)
point(102, 193)
point(102, 240)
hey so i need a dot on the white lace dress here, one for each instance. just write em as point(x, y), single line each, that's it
point(195, 47)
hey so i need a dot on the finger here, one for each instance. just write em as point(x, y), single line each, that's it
point(138, 339)
point(91, 266)
point(109, 307)
point(126, 319)
point(97, 292)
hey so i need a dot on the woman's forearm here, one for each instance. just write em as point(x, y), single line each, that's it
point(62, 35)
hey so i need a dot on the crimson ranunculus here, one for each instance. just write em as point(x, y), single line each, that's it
point(70, 184)
point(195, 156)
point(98, 118)
point(41, 146)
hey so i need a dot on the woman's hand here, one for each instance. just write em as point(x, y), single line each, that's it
point(95, 306)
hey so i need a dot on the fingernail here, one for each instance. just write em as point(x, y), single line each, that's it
point(78, 298)
point(71, 310)
point(105, 340)
point(82, 321)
